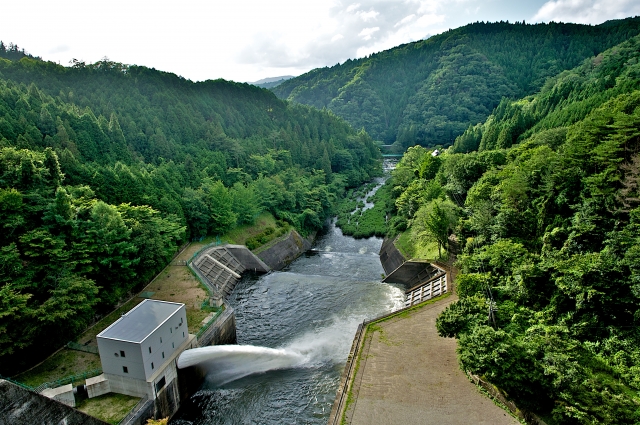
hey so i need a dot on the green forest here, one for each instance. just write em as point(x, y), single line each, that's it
point(428, 92)
point(106, 169)
point(540, 203)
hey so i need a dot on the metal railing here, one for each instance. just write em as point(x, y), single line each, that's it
point(20, 384)
point(57, 383)
point(85, 348)
point(68, 380)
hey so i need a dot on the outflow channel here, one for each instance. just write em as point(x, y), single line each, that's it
point(295, 329)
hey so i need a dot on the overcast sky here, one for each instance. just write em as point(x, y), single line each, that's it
point(246, 40)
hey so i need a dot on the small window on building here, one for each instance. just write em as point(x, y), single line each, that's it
point(181, 320)
point(160, 384)
point(125, 369)
point(163, 354)
point(173, 345)
point(149, 349)
point(160, 340)
point(122, 353)
point(151, 365)
point(170, 330)
point(183, 334)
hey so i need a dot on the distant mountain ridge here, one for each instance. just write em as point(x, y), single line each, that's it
point(271, 82)
point(429, 92)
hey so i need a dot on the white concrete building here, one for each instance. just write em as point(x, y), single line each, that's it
point(138, 352)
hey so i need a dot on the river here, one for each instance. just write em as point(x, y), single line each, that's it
point(295, 328)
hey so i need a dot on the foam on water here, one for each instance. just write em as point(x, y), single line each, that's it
point(227, 363)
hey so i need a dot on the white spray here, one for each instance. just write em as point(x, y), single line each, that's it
point(226, 363)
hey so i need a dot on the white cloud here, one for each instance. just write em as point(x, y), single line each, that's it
point(349, 30)
point(58, 49)
point(246, 40)
point(367, 32)
point(405, 20)
point(430, 19)
point(586, 11)
point(368, 16)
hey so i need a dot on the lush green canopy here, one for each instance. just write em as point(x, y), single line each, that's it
point(105, 169)
point(428, 92)
point(549, 231)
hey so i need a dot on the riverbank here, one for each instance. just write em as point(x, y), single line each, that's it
point(312, 309)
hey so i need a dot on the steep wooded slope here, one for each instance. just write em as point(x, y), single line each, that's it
point(545, 207)
point(105, 169)
point(429, 92)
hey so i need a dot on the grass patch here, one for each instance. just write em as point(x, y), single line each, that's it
point(64, 363)
point(111, 407)
point(355, 221)
point(268, 234)
point(412, 249)
point(272, 242)
point(241, 234)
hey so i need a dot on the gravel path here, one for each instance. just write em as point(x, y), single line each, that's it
point(409, 375)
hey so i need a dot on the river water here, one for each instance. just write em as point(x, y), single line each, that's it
point(295, 328)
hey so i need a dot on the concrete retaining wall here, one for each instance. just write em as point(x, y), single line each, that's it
point(140, 413)
point(248, 259)
point(412, 273)
point(390, 257)
point(223, 331)
point(401, 270)
point(282, 253)
point(19, 406)
point(97, 386)
point(167, 401)
point(63, 394)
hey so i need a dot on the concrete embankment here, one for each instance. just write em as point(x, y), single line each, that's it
point(399, 269)
point(401, 371)
point(222, 331)
point(285, 250)
point(406, 373)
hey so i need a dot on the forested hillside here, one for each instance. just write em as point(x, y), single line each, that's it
point(543, 202)
point(430, 91)
point(105, 169)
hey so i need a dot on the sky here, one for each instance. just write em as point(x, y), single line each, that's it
point(247, 40)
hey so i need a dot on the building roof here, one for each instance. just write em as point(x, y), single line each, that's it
point(141, 321)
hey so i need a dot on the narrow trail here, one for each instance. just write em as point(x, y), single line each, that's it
point(409, 375)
